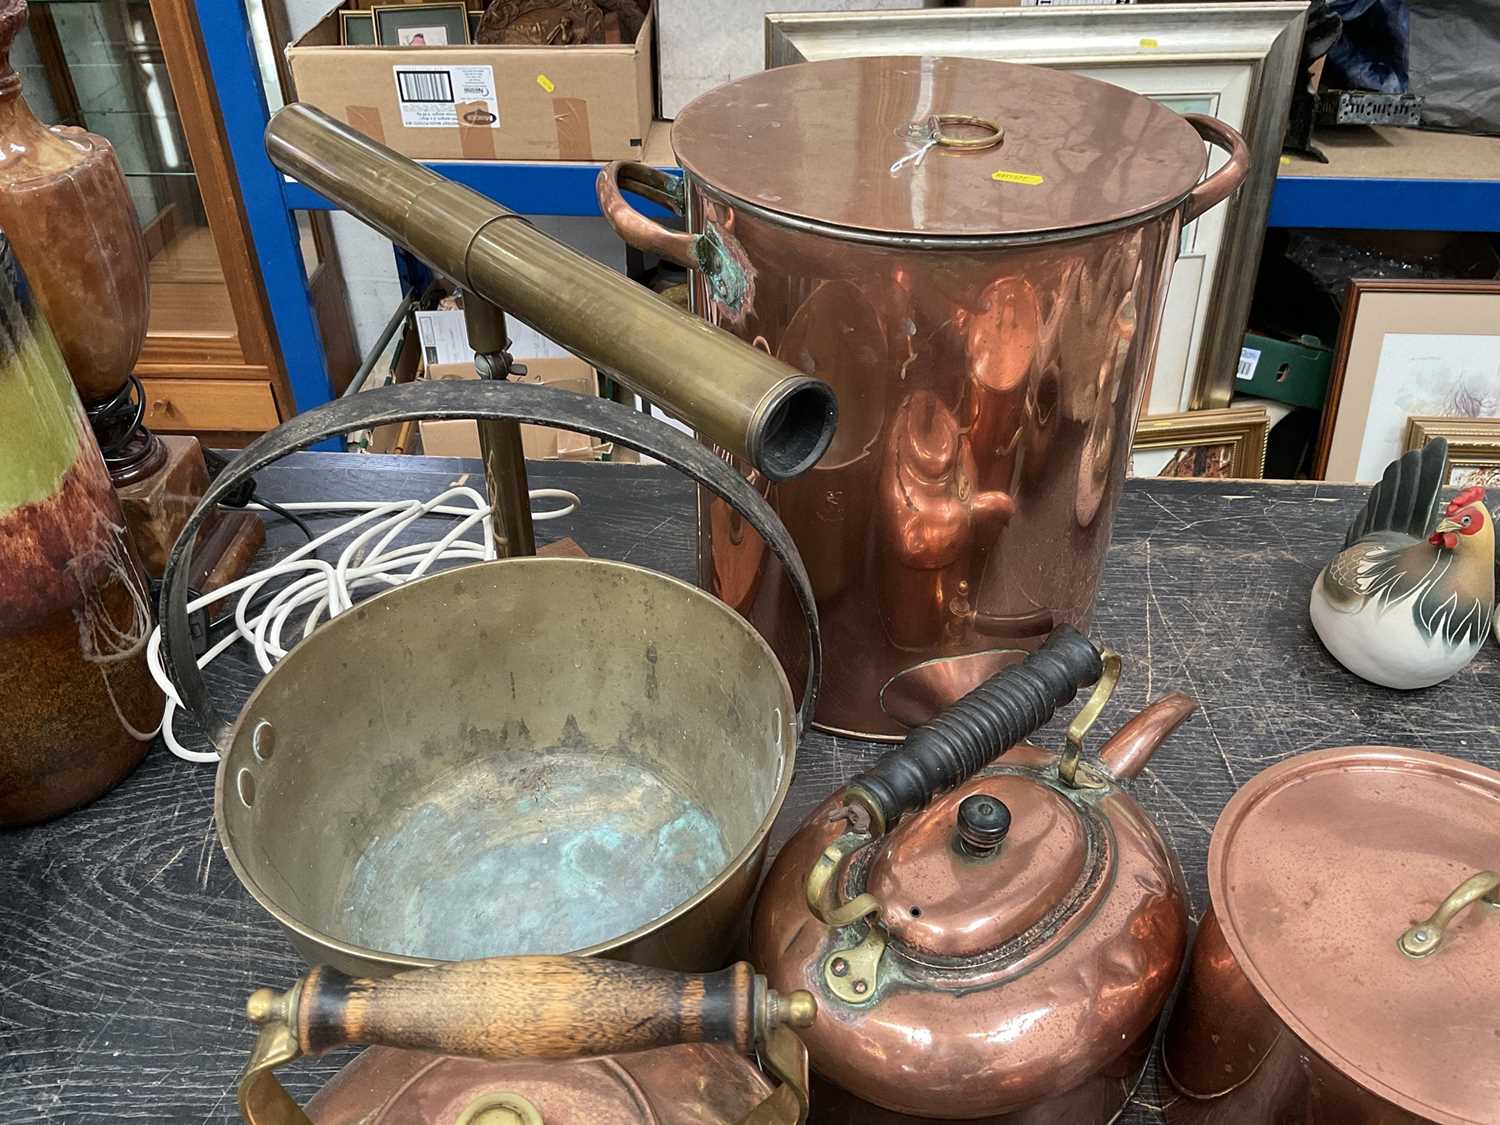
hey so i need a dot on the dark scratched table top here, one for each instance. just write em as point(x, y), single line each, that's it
point(127, 947)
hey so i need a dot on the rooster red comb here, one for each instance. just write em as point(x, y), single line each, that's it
point(1471, 495)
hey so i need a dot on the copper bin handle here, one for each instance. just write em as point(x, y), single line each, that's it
point(636, 229)
point(1222, 184)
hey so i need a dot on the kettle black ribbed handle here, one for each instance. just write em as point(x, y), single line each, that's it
point(1000, 712)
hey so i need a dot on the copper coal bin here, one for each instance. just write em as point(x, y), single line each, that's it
point(530, 755)
point(975, 256)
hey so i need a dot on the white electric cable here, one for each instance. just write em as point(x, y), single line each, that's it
point(320, 590)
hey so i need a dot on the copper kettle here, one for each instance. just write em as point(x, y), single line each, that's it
point(1002, 951)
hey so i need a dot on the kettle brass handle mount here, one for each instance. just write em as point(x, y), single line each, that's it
point(939, 756)
point(551, 1007)
point(1423, 939)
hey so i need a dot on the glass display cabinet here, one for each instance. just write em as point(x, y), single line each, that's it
point(133, 71)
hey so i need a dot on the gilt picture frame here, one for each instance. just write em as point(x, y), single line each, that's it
point(1473, 448)
point(1407, 347)
point(1233, 60)
point(1227, 444)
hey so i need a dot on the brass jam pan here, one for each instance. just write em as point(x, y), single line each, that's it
point(532, 755)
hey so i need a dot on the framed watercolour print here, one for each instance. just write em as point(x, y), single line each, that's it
point(1473, 448)
point(1232, 60)
point(421, 25)
point(1407, 348)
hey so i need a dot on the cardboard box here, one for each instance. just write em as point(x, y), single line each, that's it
point(481, 102)
point(541, 443)
point(1293, 372)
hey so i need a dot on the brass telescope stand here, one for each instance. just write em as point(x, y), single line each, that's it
point(500, 441)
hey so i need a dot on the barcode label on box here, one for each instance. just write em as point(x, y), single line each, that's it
point(425, 85)
point(1249, 361)
point(444, 97)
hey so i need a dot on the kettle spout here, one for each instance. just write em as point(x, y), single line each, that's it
point(1127, 753)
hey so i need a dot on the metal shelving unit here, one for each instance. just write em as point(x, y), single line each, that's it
point(1391, 187)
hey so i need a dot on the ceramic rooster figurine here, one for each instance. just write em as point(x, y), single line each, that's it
point(1408, 601)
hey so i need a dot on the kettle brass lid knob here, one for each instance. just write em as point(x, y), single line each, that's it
point(983, 822)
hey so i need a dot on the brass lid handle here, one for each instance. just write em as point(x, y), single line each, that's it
point(1424, 938)
point(991, 135)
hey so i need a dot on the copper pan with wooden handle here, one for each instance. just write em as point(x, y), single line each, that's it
point(548, 1010)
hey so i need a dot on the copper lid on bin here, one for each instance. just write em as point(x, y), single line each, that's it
point(1321, 866)
point(837, 142)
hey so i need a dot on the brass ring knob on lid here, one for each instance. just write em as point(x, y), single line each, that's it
point(994, 134)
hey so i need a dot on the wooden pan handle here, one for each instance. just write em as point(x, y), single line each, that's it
point(528, 1007)
point(551, 1007)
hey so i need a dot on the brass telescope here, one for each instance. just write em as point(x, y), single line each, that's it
point(738, 397)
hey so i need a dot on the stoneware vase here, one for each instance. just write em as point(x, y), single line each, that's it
point(64, 203)
point(77, 703)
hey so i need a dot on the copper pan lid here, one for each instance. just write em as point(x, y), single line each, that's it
point(837, 142)
point(1320, 866)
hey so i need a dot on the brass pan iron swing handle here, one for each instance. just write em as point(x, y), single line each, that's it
point(486, 401)
point(550, 1007)
point(1424, 938)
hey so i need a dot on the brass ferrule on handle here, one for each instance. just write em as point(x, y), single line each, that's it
point(550, 1007)
point(1423, 939)
point(740, 398)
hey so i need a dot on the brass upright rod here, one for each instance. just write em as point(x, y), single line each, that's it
point(740, 398)
point(500, 442)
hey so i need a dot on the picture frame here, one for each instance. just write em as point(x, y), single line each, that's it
point(418, 25)
point(1227, 444)
point(1233, 60)
point(1407, 347)
point(1473, 448)
point(356, 29)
